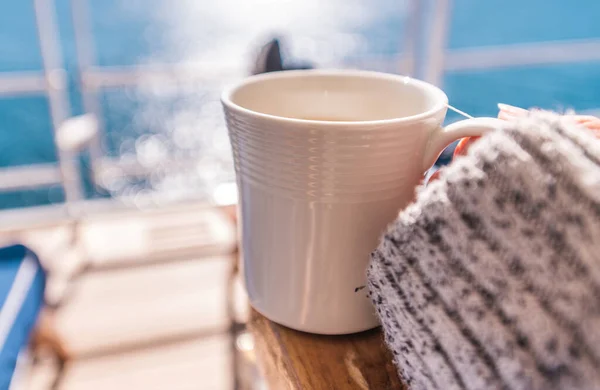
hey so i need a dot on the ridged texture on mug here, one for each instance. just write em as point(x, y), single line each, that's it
point(332, 162)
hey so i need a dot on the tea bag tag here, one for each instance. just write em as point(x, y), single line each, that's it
point(456, 110)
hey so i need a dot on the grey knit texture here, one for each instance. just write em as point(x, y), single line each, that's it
point(491, 279)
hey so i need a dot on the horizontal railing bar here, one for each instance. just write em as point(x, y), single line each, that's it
point(114, 168)
point(25, 177)
point(538, 53)
point(15, 83)
point(98, 77)
point(29, 177)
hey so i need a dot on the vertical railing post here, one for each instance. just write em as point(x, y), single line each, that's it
point(85, 53)
point(56, 91)
point(437, 41)
point(412, 35)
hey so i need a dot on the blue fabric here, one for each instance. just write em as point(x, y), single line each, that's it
point(446, 156)
point(11, 259)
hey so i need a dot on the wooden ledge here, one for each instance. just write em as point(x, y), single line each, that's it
point(295, 360)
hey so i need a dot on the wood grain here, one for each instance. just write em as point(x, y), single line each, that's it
point(294, 360)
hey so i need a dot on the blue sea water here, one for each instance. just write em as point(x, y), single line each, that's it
point(143, 31)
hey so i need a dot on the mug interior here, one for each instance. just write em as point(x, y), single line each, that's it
point(347, 96)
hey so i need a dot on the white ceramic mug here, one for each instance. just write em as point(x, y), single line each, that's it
point(324, 161)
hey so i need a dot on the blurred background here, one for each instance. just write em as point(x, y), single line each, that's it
point(115, 166)
point(151, 71)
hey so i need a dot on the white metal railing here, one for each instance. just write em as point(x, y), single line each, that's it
point(17, 83)
point(85, 53)
point(523, 54)
point(56, 91)
point(440, 60)
point(436, 44)
point(29, 176)
point(436, 60)
point(96, 78)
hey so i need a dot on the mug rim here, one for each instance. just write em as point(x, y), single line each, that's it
point(227, 101)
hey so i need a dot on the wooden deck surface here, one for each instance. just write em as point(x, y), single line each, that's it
point(295, 360)
point(142, 302)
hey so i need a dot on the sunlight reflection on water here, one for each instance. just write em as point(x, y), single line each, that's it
point(324, 31)
point(187, 122)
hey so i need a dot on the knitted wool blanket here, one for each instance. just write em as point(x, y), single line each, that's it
point(491, 279)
